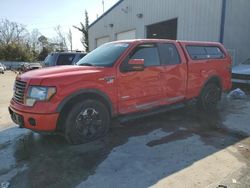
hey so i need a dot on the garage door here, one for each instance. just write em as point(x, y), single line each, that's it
point(126, 35)
point(101, 41)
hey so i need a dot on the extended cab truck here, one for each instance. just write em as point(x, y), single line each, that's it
point(120, 79)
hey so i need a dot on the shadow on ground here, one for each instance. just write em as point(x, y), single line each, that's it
point(48, 161)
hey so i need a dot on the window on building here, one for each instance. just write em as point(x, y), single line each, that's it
point(148, 52)
point(169, 54)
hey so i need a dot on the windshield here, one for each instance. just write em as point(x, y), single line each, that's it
point(247, 62)
point(50, 60)
point(105, 55)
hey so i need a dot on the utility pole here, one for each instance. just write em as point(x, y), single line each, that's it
point(103, 6)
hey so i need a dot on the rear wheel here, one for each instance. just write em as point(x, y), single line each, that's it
point(86, 121)
point(209, 97)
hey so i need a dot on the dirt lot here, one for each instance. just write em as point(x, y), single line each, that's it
point(183, 148)
point(6, 88)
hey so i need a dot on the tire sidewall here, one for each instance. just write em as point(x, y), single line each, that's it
point(71, 133)
point(203, 104)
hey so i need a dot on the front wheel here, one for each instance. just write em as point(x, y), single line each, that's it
point(209, 97)
point(86, 121)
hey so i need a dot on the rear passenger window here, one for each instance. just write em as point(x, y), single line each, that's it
point(169, 54)
point(149, 53)
point(214, 52)
point(205, 52)
point(197, 52)
point(65, 59)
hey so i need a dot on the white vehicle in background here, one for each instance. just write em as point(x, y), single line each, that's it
point(1, 69)
point(241, 73)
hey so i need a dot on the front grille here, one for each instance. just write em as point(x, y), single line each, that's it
point(19, 90)
point(241, 76)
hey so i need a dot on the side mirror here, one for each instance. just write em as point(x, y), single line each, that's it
point(134, 65)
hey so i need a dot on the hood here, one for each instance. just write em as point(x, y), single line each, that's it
point(241, 69)
point(59, 71)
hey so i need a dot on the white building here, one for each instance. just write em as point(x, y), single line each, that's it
point(226, 21)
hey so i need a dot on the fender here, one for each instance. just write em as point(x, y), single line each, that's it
point(86, 91)
point(214, 78)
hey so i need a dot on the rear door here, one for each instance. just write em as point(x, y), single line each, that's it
point(141, 90)
point(175, 72)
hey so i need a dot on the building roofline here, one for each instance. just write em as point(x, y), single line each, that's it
point(105, 13)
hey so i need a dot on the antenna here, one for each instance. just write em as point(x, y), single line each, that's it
point(103, 6)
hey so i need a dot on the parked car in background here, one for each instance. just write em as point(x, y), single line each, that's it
point(123, 79)
point(30, 66)
point(63, 58)
point(1, 69)
point(4, 67)
point(241, 73)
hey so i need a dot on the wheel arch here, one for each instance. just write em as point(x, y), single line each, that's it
point(82, 94)
point(212, 79)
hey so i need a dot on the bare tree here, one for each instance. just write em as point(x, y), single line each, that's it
point(70, 39)
point(12, 32)
point(34, 36)
point(60, 39)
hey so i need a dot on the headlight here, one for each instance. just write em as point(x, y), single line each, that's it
point(39, 93)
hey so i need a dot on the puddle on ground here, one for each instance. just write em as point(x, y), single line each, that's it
point(208, 126)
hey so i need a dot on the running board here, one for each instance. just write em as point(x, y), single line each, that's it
point(134, 116)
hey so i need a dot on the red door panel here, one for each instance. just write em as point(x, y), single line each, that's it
point(141, 90)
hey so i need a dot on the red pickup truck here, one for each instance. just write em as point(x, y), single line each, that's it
point(120, 79)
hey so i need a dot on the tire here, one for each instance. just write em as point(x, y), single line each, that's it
point(86, 121)
point(209, 97)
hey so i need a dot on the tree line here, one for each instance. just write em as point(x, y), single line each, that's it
point(19, 44)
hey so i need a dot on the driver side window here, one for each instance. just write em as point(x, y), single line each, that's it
point(148, 52)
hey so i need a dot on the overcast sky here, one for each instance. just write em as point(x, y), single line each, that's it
point(45, 15)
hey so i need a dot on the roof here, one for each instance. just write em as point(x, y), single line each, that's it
point(168, 40)
point(105, 13)
point(69, 52)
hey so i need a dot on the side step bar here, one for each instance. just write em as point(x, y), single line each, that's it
point(134, 116)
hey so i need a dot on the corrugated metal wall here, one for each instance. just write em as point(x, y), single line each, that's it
point(237, 29)
point(197, 19)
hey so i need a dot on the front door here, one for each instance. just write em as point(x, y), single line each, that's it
point(141, 90)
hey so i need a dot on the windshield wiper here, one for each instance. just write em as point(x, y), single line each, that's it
point(86, 64)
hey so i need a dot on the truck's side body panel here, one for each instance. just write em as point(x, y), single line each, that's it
point(201, 70)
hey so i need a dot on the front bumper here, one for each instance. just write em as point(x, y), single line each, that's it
point(34, 121)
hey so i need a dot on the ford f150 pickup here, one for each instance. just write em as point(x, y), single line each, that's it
point(120, 79)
